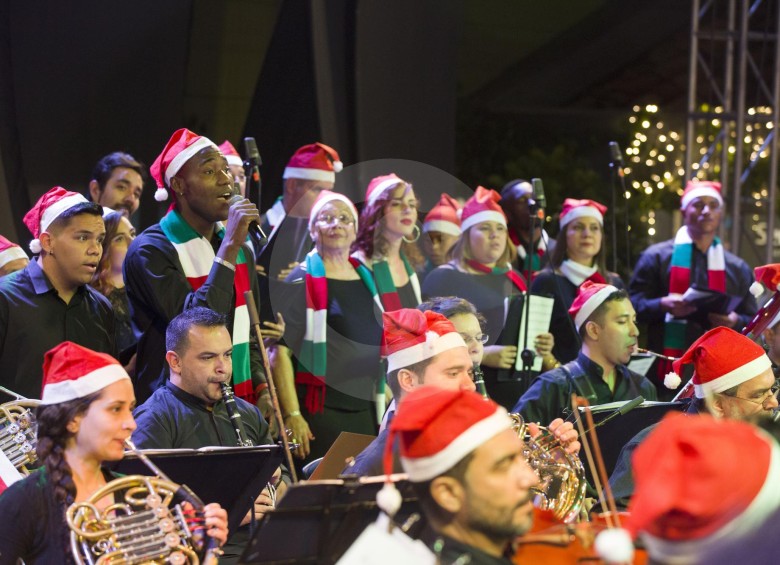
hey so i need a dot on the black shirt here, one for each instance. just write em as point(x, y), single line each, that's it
point(452, 552)
point(549, 395)
point(34, 319)
point(159, 291)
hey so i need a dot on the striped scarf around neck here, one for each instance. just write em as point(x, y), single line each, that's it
point(680, 281)
point(196, 256)
point(508, 272)
point(577, 274)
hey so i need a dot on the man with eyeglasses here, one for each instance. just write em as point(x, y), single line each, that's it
point(695, 258)
point(732, 379)
point(443, 363)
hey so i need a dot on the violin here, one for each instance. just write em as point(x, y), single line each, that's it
point(553, 542)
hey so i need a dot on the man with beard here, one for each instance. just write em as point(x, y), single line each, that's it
point(190, 258)
point(468, 471)
point(606, 321)
point(118, 182)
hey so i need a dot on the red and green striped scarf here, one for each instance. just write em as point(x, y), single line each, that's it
point(680, 280)
point(387, 290)
point(312, 360)
point(197, 257)
point(509, 273)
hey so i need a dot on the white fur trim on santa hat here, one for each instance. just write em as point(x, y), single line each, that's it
point(591, 304)
point(736, 377)
point(423, 469)
point(185, 155)
point(483, 216)
point(319, 203)
point(381, 188)
point(309, 174)
point(703, 190)
point(433, 345)
point(53, 212)
point(581, 212)
point(12, 254)
point(83, 386)
point(234, 160)
point(442, 226)
point(756, 289)
point(763, 505)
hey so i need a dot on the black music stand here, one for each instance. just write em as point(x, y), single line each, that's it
point(230, 476)
point(316, 522)
point(616, 433)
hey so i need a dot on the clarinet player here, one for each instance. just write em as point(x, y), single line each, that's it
point(189, 411)
point(83, 421)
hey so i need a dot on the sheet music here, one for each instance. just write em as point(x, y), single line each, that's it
point(640, 364)
point(539, 317)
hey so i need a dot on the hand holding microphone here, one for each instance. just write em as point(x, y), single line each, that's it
point(243, 212)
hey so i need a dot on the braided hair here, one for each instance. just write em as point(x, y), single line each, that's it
point(53, 434)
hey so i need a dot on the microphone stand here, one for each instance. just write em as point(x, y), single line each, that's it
point(619, 178)
point(527, 356)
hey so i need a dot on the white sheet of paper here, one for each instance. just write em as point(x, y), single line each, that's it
point(375, 546)
point(539, 317)
point(641, 364)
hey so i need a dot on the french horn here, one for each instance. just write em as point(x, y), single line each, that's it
point(562, 482)
point(148, 523)
point(17, 433)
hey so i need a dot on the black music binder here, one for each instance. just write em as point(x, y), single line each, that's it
point(317, 521)
point(230, 476)
point(616, 433)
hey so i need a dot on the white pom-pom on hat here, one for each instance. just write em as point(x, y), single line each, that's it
point(389, 499)
point(338, 166)
point(672, 380)
point(161, 194)
point(614, 545)
point(35, 246)
point(756, 289)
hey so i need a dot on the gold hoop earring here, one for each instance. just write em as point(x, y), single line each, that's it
point(419, 231)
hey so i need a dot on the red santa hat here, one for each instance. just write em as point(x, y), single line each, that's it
point(326, 196)
point(482, 207)
point(573, 209)
point(697, 188)
point(381, 184)
point(722, 359)
point(693, 487)
point(590, 296)
point(71, 371)
point(181, 147)
point(230, 153)
point(444, 217)
point(437, 428)
point(315, 161)
point(48, 208)
point(410, 336)
point(9, 251)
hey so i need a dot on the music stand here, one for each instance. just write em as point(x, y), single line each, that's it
point(230, 476)
point(616, 433)
point(316, 522)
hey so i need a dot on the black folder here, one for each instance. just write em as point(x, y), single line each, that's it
point(316, 522)
point(230, 476)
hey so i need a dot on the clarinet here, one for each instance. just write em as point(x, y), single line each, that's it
point(479, 380)
point(235, 416)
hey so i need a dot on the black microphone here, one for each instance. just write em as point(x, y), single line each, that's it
point(254, 227)
point(615, 153)
point(538, 192)
point(623, 410)
point(253, 155)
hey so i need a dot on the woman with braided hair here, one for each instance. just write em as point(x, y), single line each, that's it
point(83, 421)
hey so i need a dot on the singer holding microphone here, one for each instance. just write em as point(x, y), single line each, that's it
point(192, 259)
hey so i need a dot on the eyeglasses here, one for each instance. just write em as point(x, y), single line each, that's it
point(771, 393)
point(342, 219)
point(479, 338)
point(699, 205)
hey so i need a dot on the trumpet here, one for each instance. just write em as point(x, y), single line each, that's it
point(18, 430)
point(149, 523)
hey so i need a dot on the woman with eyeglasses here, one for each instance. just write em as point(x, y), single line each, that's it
point(578, 256)
point(327, 365)
point(480, 271)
